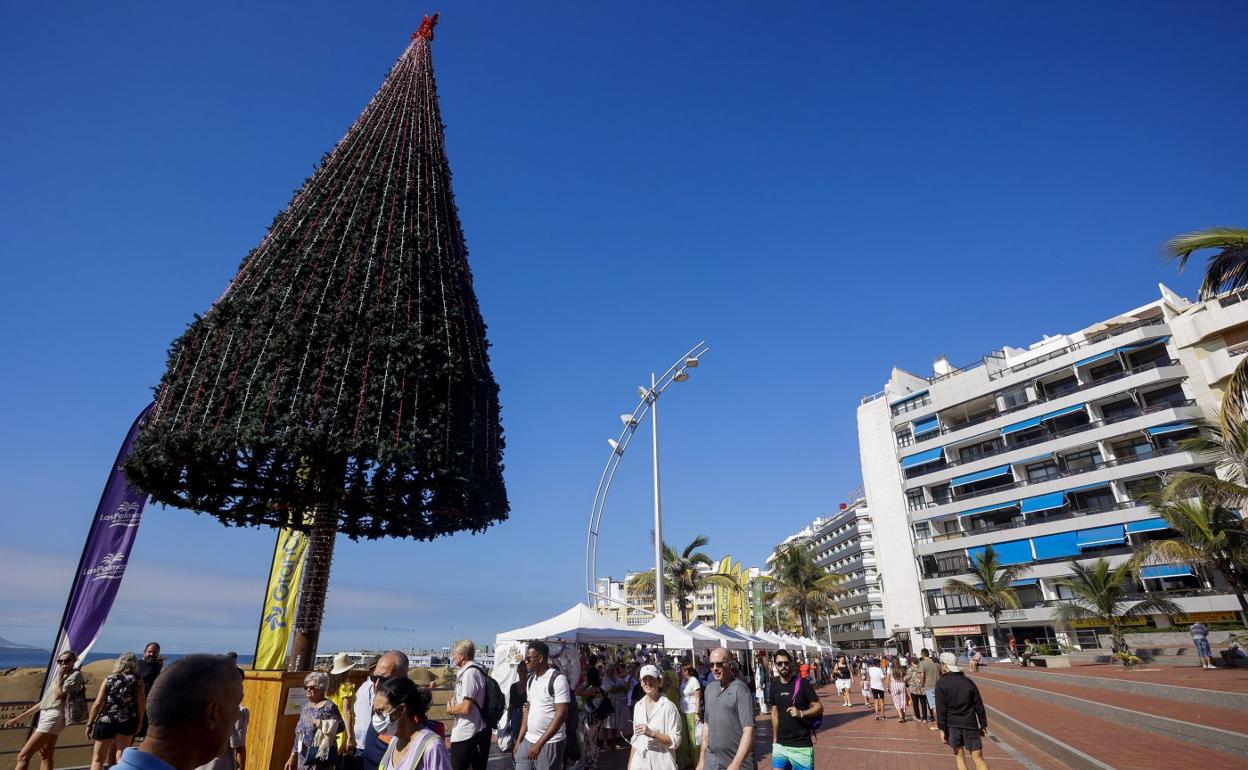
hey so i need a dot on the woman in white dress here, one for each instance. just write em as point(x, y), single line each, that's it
point(656, 727)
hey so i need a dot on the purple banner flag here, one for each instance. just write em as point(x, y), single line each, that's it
point(104, 557)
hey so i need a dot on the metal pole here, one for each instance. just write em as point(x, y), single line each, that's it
point(659, 608)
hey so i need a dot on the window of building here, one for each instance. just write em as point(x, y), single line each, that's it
point(1119, 410)
point(1171, 396)
point(940, 493)
point(1153, 355)
point(1136, 489)
point(904, 438)
point(1060, 387)
point(1013, 399)
point(914, 499)
point(1135, 447)
point(1083, 460)
point(1027, 436)
point(1042, 471)
point(974, 452)
point(1092, 499)
point(1105, 371)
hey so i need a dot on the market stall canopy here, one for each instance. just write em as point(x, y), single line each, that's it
point(677, 637)
point(582, 625)
point(756, 642)
point(724, 640)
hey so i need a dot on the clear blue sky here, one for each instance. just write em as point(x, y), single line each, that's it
point(819, 192)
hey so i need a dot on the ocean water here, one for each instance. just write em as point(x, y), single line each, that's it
point(23, 658)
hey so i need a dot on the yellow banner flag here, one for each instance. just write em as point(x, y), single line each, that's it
point(734, 598)
point(279, 600)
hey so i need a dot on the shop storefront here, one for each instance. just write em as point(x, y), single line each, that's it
point(953, 638)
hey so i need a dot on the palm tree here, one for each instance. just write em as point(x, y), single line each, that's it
point(800, 585)
point(1225, 271)
point(991, 589)
point(681, 577)
point(1209, 537)
point(1103, 593)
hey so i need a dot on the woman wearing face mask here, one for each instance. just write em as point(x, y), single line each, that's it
point(399, 711)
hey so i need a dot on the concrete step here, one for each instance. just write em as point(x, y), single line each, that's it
point(1197, 695)
point(1221, 729)
point(1089, 742)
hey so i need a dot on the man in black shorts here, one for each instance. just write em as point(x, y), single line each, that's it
point(960, 713)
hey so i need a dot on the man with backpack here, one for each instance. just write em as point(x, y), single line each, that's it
point(543, 728)
point(470, 735)
point(795, 713)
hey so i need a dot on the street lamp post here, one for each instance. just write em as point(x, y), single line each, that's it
point(677, 372)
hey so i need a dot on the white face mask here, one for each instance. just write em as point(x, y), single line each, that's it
point(384, 724)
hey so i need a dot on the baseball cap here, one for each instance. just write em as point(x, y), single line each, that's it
point(648, 670)
point(950, 661)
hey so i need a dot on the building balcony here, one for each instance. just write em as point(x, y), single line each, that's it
point(1160, 370)
point(1032, 524)
point(1168, 458)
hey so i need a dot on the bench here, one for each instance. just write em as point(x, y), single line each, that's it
point(1051, 661)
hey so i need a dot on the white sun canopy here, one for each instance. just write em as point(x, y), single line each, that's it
point(756, 642)
point(582, 625)
point(726, 641)
point(677, 637)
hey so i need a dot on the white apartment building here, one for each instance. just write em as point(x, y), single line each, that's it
point(1043, 453)
point(844, 543)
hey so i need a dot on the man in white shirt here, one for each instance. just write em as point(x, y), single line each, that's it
point(543, 728)
point(364, 748)
point(470, 735)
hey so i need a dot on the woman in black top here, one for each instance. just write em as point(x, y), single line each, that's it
point(844, 677)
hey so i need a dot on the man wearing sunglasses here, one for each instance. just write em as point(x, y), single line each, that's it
point(728, 740)
point(793, 704)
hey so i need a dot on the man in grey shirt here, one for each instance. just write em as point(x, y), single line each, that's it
point(728, 739)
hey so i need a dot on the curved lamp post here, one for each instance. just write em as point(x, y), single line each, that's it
point(677, 372)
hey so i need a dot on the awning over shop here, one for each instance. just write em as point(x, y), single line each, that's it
point(1099, 536)
point(971, 478)
point(1034, 421)
point(923, 458)
point(1043, 502)
point(1165, 571)
point(1156, 524)
point(925, 425)
point(1170, 427)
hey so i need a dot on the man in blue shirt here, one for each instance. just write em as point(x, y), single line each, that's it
point(191, 713)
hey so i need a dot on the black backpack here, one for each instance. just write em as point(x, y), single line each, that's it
point(492, 710)
point(572, 744)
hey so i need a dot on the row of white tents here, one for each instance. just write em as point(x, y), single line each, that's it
point(579, 625)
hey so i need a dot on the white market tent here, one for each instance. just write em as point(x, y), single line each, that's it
point(676, 637)
point(724, 640)
point(581, 625)
point(770, 637)
point(755, 642)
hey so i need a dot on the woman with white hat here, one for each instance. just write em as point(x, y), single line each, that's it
point(342, 693)
point(656, 727)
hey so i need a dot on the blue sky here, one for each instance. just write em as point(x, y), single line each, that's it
point(819, 191)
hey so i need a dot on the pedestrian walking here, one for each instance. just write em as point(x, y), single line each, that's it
point(1200, 638)
point(470, 735)
point(1029, 652)
point(594, 696)
point(728, 731)
point(898, 691)
point(148, 669)
point(1012, 643)
point(794, 704)
point(400, 712)
point(342, 693)
point(615, 682)
point(914, 687)
point(931, 674)
point(763, 680)
point(656, 726)
point(691, 711)
point(364, 748)
point(68, 692)
point(875, 676)
point(844, 678)
point(118, 710)
point(961, 716)
point(865, 678)
point(544, 726)
point(316, 734)
point(192, 712)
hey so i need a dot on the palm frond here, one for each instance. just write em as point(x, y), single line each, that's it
point(1226, 270)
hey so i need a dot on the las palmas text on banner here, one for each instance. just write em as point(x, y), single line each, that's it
point(279, 600)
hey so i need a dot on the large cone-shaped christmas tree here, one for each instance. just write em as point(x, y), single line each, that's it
point(344, 370)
